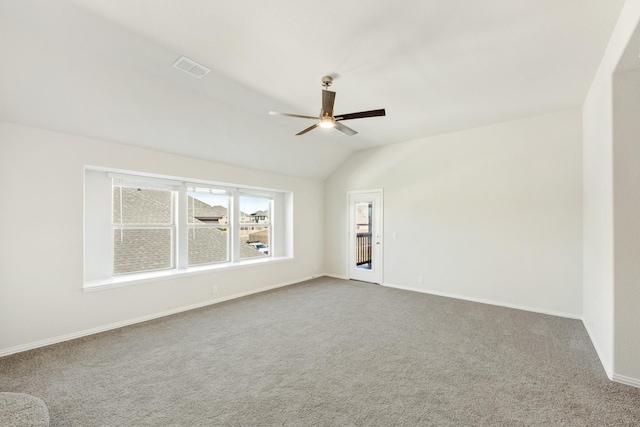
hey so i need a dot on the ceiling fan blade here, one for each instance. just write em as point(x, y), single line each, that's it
point(328, 98)
point(312, 127)
point(344, 129)
point(362, 115)
point(275, 113)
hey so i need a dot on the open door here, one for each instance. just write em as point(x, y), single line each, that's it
point(365, 236)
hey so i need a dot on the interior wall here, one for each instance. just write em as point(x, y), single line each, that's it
point(41, 249)
point(599, 286)
point(491, 214)
point(626, 207)
point(598, 222)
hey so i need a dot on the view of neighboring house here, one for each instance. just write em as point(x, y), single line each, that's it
point(201, 212)
point(207, 214)
point(143, 222)
point(260, 216)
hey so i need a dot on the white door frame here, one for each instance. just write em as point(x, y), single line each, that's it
point(375, 275)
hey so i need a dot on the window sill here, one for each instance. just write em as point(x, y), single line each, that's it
point(155, 276)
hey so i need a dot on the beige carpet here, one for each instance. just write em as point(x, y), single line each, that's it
point(329, 353)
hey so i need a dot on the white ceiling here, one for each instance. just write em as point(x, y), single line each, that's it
point(103, 69)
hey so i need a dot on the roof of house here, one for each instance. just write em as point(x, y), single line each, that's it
point(150, 206)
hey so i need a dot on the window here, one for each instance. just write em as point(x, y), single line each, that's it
point(255, 213)
point(163, 226)
point(208, 226)
point(143, 229)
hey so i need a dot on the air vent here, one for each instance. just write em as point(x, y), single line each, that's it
point(191, 67)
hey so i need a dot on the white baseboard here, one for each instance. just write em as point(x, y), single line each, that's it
point(606, 364)
point(336, 276)
point(86, 332)
point(487, 301)
point(634, 382)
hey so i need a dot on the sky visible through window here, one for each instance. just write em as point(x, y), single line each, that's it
point(248, 205)
point(211, 199)
point(251, 204)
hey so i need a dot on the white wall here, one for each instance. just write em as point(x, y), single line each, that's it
point(626, 208)
point(599, 287)
point(598, 222)
point(41, 249)
point(492, 213)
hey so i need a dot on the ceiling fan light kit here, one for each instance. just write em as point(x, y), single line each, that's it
point(326, 118)
point(327, 122)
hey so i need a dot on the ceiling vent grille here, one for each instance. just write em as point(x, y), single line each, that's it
point(191, 67)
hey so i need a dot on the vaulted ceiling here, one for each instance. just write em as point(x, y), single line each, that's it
point(104, 69)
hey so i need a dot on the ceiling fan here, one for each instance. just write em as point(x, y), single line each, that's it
point(326, 118)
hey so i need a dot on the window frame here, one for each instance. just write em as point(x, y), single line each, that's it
point(280, 227)
point(191, 227)
point(119, 182)
point(268, 224)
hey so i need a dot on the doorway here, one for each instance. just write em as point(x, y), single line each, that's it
point(365, 236)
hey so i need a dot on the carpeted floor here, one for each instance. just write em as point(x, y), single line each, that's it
point(329, 352)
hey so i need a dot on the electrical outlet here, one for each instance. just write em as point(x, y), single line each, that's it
point(214, 289)
point(420, 279)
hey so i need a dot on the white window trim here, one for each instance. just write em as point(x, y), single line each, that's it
point(273, 246)
point(146, 183)
point(121, 281)
point(188, 227)
point(279, 251)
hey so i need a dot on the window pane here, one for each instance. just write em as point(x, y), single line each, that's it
point(141, 206)
point(208, 245)
point(141, 249)
point(206, 208)
point(254, 210)
point(254, 242)
point(363, 234)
